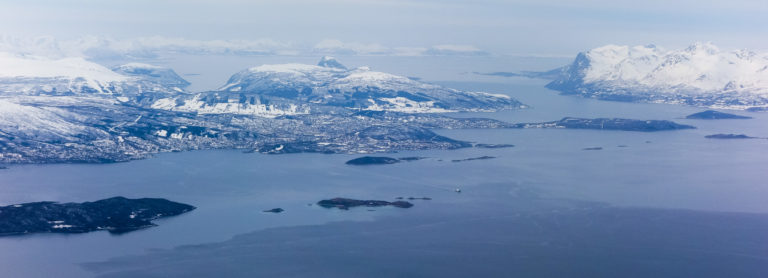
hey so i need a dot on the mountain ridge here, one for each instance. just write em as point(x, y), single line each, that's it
point(290, 89)
point(35, 75)
point(699, 75)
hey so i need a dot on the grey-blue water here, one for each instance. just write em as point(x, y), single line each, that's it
point(665, 204)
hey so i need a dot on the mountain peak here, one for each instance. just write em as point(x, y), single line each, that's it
point(330, 62)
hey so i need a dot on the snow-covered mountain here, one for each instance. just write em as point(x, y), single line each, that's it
point(34, 75)
point(700, 75)
point(298, 88)
point(34, 122)
point(159, 75)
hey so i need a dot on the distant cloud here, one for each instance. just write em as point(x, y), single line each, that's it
point(452, 49)
point(145, 47)
point(152, 47)
point(409, 51)
point(339, 47)
point(246, 47)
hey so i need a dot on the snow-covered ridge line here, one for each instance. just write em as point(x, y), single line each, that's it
point(266, 90)
point(30, 75)
point(700, 74)
point(331, 84)
point(14, 65)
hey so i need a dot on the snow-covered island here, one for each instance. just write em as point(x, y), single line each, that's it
point(291, 89)
point(699, 75)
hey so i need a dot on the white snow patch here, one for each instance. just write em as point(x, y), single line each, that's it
point(35, 66)
point(401, 104)
point(34, 121)
point(197, 105)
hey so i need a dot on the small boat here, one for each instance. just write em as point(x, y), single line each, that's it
point(458, 190)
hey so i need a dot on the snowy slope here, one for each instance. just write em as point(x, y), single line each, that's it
point(33, 75)
point(201, 105)
point(159, 75)
point(43, 119)
point(701, 74)
point(330, 84)
point(24, 66)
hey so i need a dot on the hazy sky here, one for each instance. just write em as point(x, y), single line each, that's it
point(543, 27)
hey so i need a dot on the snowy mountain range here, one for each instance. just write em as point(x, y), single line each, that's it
point(700, 75)
point(74, 110)
point(288, 89)
point(34, 75)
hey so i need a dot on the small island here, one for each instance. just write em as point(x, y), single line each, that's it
point(493, 146)
point(373, 160)
point(381, 160)
point(608, 124)
point(757, 109)
point(411, 158)
point(715, 115)
point(346, 203)
point(116, 215)
point(729, 136)
point(474, 158)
